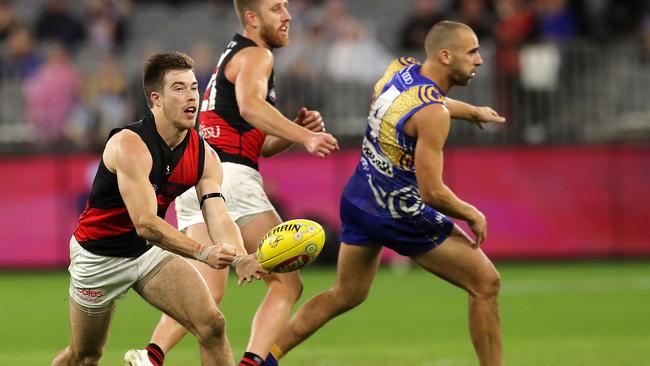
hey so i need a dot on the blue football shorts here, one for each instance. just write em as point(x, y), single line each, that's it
point(409, 236)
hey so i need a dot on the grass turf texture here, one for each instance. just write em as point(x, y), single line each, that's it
point(588, 313)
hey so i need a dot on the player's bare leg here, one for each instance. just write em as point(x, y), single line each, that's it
point(456, 261)
point(169, 332)
point(283, 290)
point(88, 334)
point(356, 269)
point(179, 290)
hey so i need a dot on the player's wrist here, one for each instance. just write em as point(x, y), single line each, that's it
point(235, 262)
point(202, 252)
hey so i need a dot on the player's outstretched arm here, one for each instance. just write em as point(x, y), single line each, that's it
point(127, 156)
point(472, 113)
point(249, 70)
point(431, 127)
point(221, 227)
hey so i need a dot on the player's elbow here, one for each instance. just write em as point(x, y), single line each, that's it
point(145, 227)
point(432, 197)
point(247, 110)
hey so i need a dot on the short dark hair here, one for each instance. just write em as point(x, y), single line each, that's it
point(157, 66)
point(242, 5)
point(443, 35)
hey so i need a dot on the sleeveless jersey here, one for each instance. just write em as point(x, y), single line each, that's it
point(220, 122)
point(105, 227)
point(384, 182)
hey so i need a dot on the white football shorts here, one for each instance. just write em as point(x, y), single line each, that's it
point(243, 190)
point(96, 281)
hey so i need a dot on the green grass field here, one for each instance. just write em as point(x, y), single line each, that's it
point(586, 313)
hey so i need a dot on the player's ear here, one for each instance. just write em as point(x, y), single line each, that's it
point(155, 99)
point(445, 56)
point(251, 18)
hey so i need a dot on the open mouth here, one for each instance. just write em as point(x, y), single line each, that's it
point(190, 112)
point(284, 30)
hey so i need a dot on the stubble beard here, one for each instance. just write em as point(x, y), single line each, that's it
point(272, 38)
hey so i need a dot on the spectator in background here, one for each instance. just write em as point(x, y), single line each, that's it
point(204, 57)
point(645, 41)
point(304, 68)
point(357, 56)
point(51, 95)
point(477, 15)
point(515, 27)
point(7, 19)
point(425, 14)
point(107, 101)
point(555, 21)
point(107, 23)
point(336, 17)
point(57, 23)
point(625, 17)
point(20, 59)
point(540, 62)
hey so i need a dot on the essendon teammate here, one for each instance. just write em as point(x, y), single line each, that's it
point(239, 120)
point(122, 240)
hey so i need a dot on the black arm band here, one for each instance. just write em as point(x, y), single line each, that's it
point(211, 195)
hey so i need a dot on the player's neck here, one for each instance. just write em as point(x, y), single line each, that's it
point(257, 39)
point(437, 75)
point(167, 129)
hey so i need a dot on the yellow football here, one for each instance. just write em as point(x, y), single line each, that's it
point(291, 245)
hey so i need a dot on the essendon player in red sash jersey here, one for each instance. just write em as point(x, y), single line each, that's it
point(105, 227)
point(220, 120)
point(121, 238)
point(239, 120)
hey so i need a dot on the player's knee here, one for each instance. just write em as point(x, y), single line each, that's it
point(86, 358)
point(349, 298)
point(211, 327)
point(490, 285)
point(291, 286)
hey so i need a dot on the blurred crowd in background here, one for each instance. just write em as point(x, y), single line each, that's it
point(70, 70)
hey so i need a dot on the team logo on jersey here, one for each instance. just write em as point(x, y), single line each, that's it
point(380, 163)
point(406, 76)
point(209, 132)
point(271, 95)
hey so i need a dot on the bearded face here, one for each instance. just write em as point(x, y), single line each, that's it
point(275, 33)
point(462, 72)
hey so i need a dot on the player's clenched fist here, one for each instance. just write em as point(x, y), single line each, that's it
point(311, 120)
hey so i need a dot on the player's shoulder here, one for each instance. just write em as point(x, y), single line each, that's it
point(394, 66)
point(255, 53)
point(400, 63)
point(428, 94)
point(126, 145)
point(434, 114)
point(405, 61)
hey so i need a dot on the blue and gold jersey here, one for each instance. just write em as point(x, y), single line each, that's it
point(384, 182)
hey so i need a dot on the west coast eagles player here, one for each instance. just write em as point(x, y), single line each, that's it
point(397, 198)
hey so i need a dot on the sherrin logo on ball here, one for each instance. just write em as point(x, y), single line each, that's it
point(291, 245)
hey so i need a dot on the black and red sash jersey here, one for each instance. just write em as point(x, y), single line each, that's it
point(105, 227)
point(220, 122)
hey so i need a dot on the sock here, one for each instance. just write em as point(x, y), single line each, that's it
point(273, 356)
point(156, 354)
point(251, 359)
